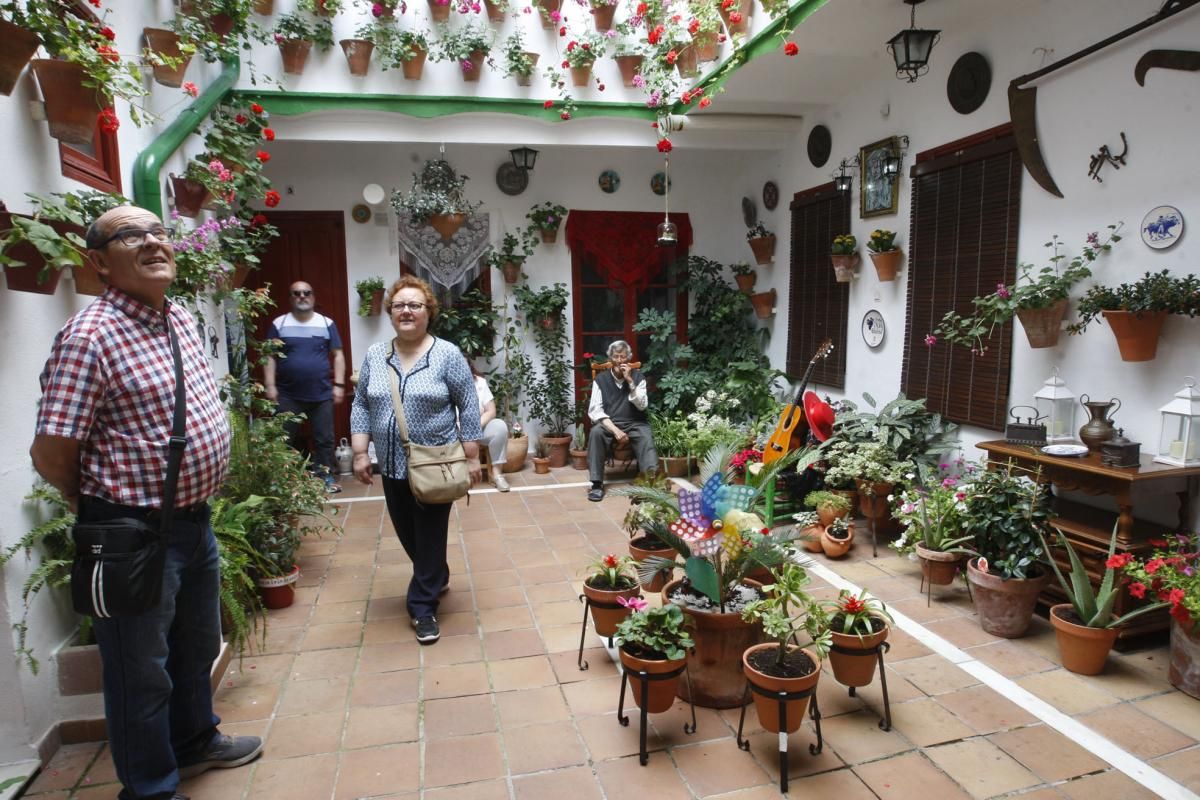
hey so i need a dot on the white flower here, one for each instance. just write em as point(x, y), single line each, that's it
point(734, 402)
point(711, 394)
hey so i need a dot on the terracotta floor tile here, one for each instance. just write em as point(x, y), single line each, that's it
point(463, 759)
point(259, 670)
point(246, 703)
point(311, 697)
point(381, 770)
point(304, 735)
point(224, 783)
point(389, 657)
point(669, 724)
point(1174, 709)
point(323, 664)
point(908, 777)
point(453, 650)
point(552, 592)
point(561, 612)
point(355, 611)
point(934, 675)
point(380, 725)
point(383, 588)
point(1183, 766)
point(765, 749)
point(66, 767)
point(1110, 785)
point(531, 706)
point(309, 778)
point(575, 783)
point(1138, 733)
point(457, 624)
point(494, 579)
point(900, 690)
point(521, 673)
point(482, 790)
point(459, 716)
point(1067, 692)
point(385, 688)
point(518, 643)
point(561, 638)
point(286, 617)
point(536, 748)
point(606, 738)
point(985, 710)
point(592, 697)
point(455, 680)
point(924, 723)
point(504, 619)
point(904, 647)
point(385, 608)
point(278, 640)
point(546, 574)
point(566, 666)
point(711, 768)
point(916, 609)
point(857, 738)
point(1122, 680)
point(626, 779)
point(504, 597)
point(842, 784)
point(981, 768)
point(1010, 658)
point(1047, 752)
point(334, 593)
point(111, 791)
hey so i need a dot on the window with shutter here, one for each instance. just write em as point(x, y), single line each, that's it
point(966, 203)
point(818, 306)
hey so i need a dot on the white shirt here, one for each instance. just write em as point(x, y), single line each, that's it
point(637, 396)
point(483, 391)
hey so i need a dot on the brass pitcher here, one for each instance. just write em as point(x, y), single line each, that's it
point(1099, 429)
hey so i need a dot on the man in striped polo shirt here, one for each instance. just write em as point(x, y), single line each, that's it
point(108, 395)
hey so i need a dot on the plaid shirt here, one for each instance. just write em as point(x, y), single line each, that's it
point(110, 384)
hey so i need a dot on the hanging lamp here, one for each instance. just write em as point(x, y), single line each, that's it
point(911, 47)
point(668, 232)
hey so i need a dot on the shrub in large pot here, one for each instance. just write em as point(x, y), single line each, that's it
point(1006, 513)
point(611, 580)
point(829, 506)
point(653, 641)
point(1172, 575)
point(858, 625)
point(1136, 311)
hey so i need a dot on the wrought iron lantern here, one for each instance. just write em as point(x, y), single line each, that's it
point(843, 180)
point(1056, 404)
point(911, 47)
point(894, 160)
point(668, 232)
point(524, 158)
point(1179, 441)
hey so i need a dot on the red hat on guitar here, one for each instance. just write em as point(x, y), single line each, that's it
point(819, 415)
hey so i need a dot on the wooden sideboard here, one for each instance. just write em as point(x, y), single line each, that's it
point(1090, 529)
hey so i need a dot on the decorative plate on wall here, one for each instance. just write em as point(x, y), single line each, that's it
point(658, 183)
point(360, 213)
point(609, 181)
point(873, 329)
point(820, 145)
point(511, 179)
point(1162, 227)
point(770, 195)
point(749, 212)
point(969, 82)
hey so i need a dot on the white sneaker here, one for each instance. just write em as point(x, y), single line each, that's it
point(500, 482)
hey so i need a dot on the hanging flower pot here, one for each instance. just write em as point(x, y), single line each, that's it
point(358, 54)
point(939, 568)
point(763, 248)
point(1043, 325)
point(707, 47)
point(645, 547)
point(264, 7)
point(25, 278)
point(166, 43)
point(447, 224)
point(1136, 332)
point(844, 266)
point(472, 66)
point(764, 304)
point(850, 666)
point(742, 7)
point(413, 68)
point(660, 694)
point(607, 619)
point(237, 278)
point(18, 46)
point(803, 663)
point(581, 76)
point(88, 281)
point(687, 63)
point(745, 283)
point(71, 106)
point(511, 271)
point(190, 196)
point(549, 235)
point(222, 25)
point(495, 13)
point(629, 66)
point(602, 16)
point(439, 11)
point(1084, 650)
point(295, 55)
point(1005, 606)
point(887, 264)
point(526, 80)
point(279, 592)
point(548, 7)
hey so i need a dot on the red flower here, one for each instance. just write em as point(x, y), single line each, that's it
point(108, 33)
point(586, 46)
point(268, 134)
point(256, 108)
point(672, 56)
point(705, 102)
point(686, 97)
point(108, 53)
point(735, 18)
point(642, 8)
point(548, 104)
point(664, 145)
point(693, 26)
point(565, 115)
point(610, 561)
point(1158, 542)
point(1137, 590)
point(791, 48)
point(190, 89)
point(562, 31)
point(852, 605)
point(655, 34)
point(258, 219)
point(566, 64)
point(600, 86)
point(676, 18)
point(721, 38)
point(263, 156)
point(589, 356)
point(108, 121)
point(272, 198)
point(1175, 596)
point(1153, 565)
point(570, 45)
point(240, 119)
point(727, 4)
point(1180, 614)
point(1118, 561)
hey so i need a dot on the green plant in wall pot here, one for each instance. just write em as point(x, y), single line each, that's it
point(547, 217)
point(518, 61)
point(370, 296)
point(1136, 311)
point(510, 256)
point(438, 190)
point(467, 46)
point(396, 48)
point(511, 378)
point(550, 394)
point(296, 34)
point(55, 230)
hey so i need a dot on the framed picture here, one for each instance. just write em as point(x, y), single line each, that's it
point(878, 192)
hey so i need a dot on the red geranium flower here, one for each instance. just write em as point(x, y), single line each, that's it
point(686, 97)
point(1118, 561)
point(672, 56)
point(655, 34)
point(108, 53)
point(108, 33)
point(1175, 596)
point(256, 108)
point(258, 219)
point(565, 115)
point(191, 89)
point(705, 102)
point(108, 121)
point(272, 198)
point(735, 17)
point(642, 8)
point(240, 119)
point(665, 146)
point(1153, 565)
point(1180, 614)
point(570, 45)
point(268, 134)
point(791, 48)
point(566, 64)
point(263, 156)
point(693, 26)
point(548, 104)
point(727, 4)
point(562, 31)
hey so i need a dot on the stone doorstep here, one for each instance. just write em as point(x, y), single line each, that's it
point(79, 669)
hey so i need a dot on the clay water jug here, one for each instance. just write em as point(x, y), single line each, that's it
point(1099, 429)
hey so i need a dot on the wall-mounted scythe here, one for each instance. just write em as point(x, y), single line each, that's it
point(1022, 102)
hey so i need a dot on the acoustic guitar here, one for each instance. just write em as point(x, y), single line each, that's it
point(788, 435)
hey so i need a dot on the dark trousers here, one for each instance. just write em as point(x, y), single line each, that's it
point(600, 442)
point(421, 529)
point(320, 419)
point(157, 695)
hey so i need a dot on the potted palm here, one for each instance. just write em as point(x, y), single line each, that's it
point(437, 197)
point(653, 641)
point(1136, 311)
point(519, 62)
point(546, 218)
point(762, 242)
point(296, 34)
point(611, 578)
point(884, 254)
point(370, 296)
point(844, 257)
point(778, 665)
point(858, 625)
point(933, 526)
point(1172, 575)
point(467, 46)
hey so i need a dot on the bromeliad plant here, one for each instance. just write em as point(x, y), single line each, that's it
point(855, 615)
point(787, 609)
point(653, 633)
point(612, 573)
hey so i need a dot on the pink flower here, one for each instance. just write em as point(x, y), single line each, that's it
point(279, 38)
point(930, 340)
point(639, 81)
point(190, 88)
point(636, 603)
point(376, 10)
point(1093, 238)
point(1002, 291)
point(215, 166)
point(982, 564)
point(554, 15)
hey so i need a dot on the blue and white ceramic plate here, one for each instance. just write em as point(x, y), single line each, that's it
point(1070, 450)
point(1162, 227)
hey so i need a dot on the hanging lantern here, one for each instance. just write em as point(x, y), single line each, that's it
point(668, 233)
point(911, 47)
point(524, 158)
point(842, 181)
point(1179, 441)
point(1056, 405)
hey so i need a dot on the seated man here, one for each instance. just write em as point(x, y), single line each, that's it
point(618, 412)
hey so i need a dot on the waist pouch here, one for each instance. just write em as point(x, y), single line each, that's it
point(118, 568)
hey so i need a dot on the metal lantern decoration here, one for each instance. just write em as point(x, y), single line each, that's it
point(894, 160)
point(524, 158)
point(842, 181)
point(668, 233)
point(1179, 442)
point(911, 47)
point(1056, 405)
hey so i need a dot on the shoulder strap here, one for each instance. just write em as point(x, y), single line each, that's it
point(397, 403)
point(178, 440)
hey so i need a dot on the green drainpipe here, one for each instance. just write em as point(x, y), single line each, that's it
point(147, 184)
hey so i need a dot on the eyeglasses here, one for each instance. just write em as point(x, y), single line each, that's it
point(133, 237)
point(302, 292)
point(413, 307)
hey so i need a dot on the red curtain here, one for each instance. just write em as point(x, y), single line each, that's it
point(624, 244)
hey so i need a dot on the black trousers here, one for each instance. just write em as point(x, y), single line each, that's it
point(320, 419)
point(421, 529)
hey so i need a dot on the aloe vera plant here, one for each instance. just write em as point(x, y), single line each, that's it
point(1093, 607)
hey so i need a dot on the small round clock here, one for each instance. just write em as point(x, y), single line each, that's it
point(873, 329)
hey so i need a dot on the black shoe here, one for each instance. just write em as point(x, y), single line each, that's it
point(427, 629)
point(223, 752)
point(596, 494)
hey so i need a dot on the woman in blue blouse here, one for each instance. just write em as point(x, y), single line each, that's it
point(437, 390)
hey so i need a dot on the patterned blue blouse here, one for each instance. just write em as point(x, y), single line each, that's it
point(439, 385)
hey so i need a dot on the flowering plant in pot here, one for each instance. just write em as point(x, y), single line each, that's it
point(510, 256)
point(321, 8)
point(884, 253)
point(705, 28)
point(467, 46)
point(629, 55)
point(762, 242)
point(200, 265)
point(405, 50)
point(519, 62)
point(1136, 311)
point(438, 196)
point(603, 12)
point(546, 217)
point(296, 34)
point(1037, 298)
point(844, 257)
point(370, 296)
point(1172, 575)
point(367, 35)
point(581, 53)
point(933, 524)
point(610, 578)
point(858, 625)
point(653, 641)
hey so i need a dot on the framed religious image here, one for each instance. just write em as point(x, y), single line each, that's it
point(878, 191)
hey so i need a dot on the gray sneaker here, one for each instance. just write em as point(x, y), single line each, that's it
point(223, 752)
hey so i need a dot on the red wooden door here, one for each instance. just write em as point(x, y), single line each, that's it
point(311, 247)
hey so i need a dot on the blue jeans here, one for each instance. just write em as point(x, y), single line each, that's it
point(157, 694)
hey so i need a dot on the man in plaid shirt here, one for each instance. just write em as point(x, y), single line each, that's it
point(102, 428)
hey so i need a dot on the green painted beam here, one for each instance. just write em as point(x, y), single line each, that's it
point(147, 182)
point(431, 106)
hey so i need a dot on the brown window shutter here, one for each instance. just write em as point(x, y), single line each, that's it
point(818, 306)
point(966, 203)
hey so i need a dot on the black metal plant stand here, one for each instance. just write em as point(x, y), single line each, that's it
point(782, 698)
point(587, 605)
point(929, 592)
point(878, 651)
point(646, 677)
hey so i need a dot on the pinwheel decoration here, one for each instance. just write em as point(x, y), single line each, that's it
point(711, 522)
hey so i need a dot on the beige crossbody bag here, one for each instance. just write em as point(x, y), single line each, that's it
point(436, 473)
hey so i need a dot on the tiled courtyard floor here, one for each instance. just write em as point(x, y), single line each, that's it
point(352, 707)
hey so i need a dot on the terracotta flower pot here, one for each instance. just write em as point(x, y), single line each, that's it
point(88, 281)
point(376, 302)
point(516, 453)
point(812, 538)
point(1005, 607)
point(511, 271)
point(743, 7)
point(494, 12)
point(606, 620)
point(939, 568)
point(827, 514)
point(166, 43)
point(279, 592)
point(71, 107)
point(660, 695)
point(549, 235)
point(1083, 650)
point(447, 224)
point(557, 449)
point(221, 25)
point(874, 503)
point(413, 68)
point(18, 47)
point(856, 668)
point(527, 80)
point(844, 266)
point(439, 12)
point(1137, 334)
point(581, 76)
point(264, 7)
point(237, 278)
point(764, 304)
point(541, 466)
point(25, 278)
point(602, 16)
point(579, 459)
point(643, 553)
point(745, 283)
point(764, 249)
point(295, 55)
point(1043, 325)
point(674, 466)
point(358, 54)
point(190, 196)
point(1184, 672)
point(687, 62)
point(475, 60)
point(548, 7)
point(629, 66)
point(716, 664)
point(707, 47)
point(768, 707)
point(836, 548)
point(887, 264)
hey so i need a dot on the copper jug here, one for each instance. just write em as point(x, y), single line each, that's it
point(1099, 429)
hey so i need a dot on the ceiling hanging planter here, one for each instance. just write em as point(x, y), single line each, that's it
point(17, 46)
point(71, 106)
point(166, 43)
point(447, 224)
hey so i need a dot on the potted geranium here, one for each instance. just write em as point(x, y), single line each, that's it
point(1172, 575)
point(370, 296)
point(546, 217)
point(1136, 311)
point(653, 641)
point(496, 9)
point(20, 44)
point(744, 276)
point(856, 623)
point(610, 578)
point(705, 29)
point(511, 255)
point(844, 257)
point(629, 58)
point(404, 49)
point(884, 253)
point(171, 55)
point(762, 242)
point(438, 196)
point(581, 54)
point(603, 12)
point(467, 46)
point(1038, 299)
point(359, 49)
point(932, 516)
point(296, 34)
point(518, 61)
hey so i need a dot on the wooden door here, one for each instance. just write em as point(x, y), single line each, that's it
point(311, 247)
